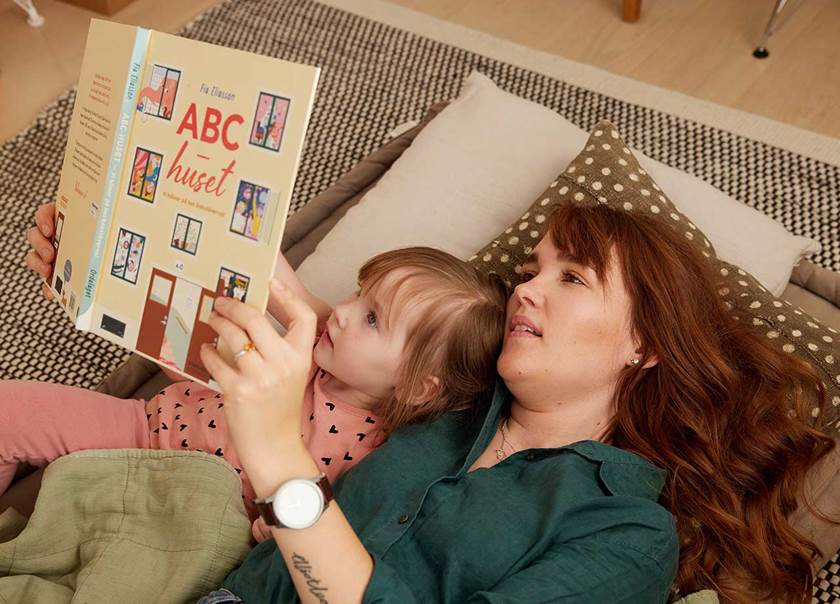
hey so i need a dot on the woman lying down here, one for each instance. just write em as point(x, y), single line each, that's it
point(620, 458)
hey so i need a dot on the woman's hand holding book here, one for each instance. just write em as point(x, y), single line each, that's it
point(41, 257)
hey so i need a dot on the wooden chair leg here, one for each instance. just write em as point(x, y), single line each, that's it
point(632, 10)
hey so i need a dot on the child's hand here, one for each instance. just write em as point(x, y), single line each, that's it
point(260, 530)
point(42, 255)
point(264, 388)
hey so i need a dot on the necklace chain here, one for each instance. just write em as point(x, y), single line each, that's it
point(500, 452)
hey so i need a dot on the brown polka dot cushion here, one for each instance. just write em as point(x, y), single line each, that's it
point(606, 171)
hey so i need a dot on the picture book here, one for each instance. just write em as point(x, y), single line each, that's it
point(177, 177)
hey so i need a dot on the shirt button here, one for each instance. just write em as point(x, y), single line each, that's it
point(403, 519)
point(530, 457)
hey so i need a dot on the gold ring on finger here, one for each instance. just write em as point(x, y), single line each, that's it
point(245, 350)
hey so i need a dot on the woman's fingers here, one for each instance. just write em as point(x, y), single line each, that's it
point(40, 244)
point(34, 262)
point(302, 319)
point(47, 292)
point(224, 374)
point(253, 324)
point(45, 218)
point(237, 339)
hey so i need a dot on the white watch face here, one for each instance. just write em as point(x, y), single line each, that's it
point(298, 503)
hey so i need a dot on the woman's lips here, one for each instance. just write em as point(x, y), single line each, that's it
point(522, 334)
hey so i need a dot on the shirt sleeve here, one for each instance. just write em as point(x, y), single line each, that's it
point(386, 586)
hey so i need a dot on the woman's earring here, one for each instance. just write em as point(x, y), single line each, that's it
point(635, 361)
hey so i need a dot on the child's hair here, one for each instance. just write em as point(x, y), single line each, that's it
point(456, 337)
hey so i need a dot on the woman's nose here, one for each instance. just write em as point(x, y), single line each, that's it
point(527, 293)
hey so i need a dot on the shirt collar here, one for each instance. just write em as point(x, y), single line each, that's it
point(623, 472)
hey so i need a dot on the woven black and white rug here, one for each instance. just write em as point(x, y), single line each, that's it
point(375, 76)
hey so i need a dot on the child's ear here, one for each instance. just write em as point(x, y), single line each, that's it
point(428, 391)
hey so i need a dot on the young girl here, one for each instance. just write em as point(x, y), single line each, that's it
point(419, 338)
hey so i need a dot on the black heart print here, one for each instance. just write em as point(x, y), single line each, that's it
point(178, 416)
point(361, 436)
point(220, 405)
point(212, 423)
point(163, 426)
point(347, 456)
point(311, 416)
point(178, 405)
point(370, 420)
point(330, 405)
point(181, 427)
point(200, 399)
point(184, 443)
point(326, 460)
point(333, 429)
point(201, 410)
point(219, 452)
point(187, 393)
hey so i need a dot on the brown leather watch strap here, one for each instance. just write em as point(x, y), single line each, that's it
point(265, 505)
point(326, 488)
point(266, 511)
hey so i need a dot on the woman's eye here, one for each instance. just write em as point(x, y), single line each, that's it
point(567, 276)
point(527, 276)
point(371, 318)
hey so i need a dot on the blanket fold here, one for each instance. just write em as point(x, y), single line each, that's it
point(126, 525)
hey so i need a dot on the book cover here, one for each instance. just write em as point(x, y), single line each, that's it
point(178, 172)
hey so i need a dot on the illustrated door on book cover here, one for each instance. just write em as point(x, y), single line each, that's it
point(174, 324)
point(201, 333)
point(155, 312)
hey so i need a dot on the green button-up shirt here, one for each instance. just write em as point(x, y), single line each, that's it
point(575, 524)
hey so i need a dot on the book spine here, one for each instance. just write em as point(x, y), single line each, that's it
point(112, 179)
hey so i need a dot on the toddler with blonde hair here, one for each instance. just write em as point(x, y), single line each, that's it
point(419, 338)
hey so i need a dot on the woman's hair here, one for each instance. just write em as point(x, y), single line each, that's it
point(722, 411)
point(455, 337)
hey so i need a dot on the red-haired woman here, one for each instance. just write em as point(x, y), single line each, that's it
point(641, 439)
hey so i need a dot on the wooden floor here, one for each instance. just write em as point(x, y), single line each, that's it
point(38, 64)
point(700, 47)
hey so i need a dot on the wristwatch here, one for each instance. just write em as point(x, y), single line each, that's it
point(297, 503)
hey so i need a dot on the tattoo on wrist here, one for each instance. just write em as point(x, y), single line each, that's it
point(303, 566)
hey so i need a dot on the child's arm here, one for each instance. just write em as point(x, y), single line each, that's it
point(287, 275)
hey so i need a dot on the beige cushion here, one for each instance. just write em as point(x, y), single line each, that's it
point(306, 228)
point(813, 304)
point(819, 280)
